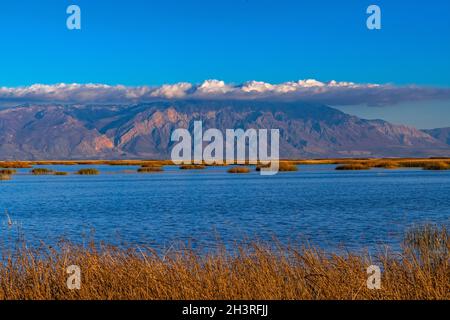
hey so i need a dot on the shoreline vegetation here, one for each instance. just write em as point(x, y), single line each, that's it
point(370, 162)
point(255, 270)
point(9, 168)
point(88, 172)
point(239, 170)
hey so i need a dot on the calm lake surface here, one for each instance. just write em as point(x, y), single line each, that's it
point(328, 208)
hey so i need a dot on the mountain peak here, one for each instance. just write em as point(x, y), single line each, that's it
point(307, 130)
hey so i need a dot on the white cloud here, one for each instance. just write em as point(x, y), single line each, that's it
point(257, 86)
point(333, 92)
point(214, 87)
point(178, 90)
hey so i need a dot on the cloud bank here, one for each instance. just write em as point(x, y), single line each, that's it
point(332, 93)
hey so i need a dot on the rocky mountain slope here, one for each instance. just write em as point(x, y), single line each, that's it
point(442, 134)
point(143, 130)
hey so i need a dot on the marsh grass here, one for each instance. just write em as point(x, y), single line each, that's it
point(285, 166)
point(7, 172)
point(249, 271)
point(15, 165)
point(53, 163)
point(151, 165)
point(60, 173)
point(41, 171)
point(88, 172)
point(388, 163)
point(192, 167)
point(437, 166)
point(428, 241)
point(353, 166)
point(143, 163)
point(150, 169)
point(239, 170)
point(5, 177)
point(385, 164)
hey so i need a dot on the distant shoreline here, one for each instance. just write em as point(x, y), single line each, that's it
point(169, 162)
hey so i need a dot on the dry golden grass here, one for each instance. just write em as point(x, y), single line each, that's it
point(94, 162)
point(385, 164)
point(151, 165)
point(388, 163)
point(88, 172)
point(192, 167)
point(254, 271)
point(41, 171)
point(4, 177)
point(149, 169)
point(239, 170)
point(143, 163)
point(60, 173)
point(287, 166)
point(53, 163)
point(353, 166)
point(14, 164)
point(406, 161)
point(283, 166)
point(7, 172)
point(438, 165)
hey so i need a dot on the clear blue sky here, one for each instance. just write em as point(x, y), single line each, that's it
point(138, 42)
point(145, 42)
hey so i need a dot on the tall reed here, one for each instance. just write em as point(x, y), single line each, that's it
point(250, 271)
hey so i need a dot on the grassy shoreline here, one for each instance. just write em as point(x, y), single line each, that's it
point(253, 271)
point(407, 162)
point(146, 166)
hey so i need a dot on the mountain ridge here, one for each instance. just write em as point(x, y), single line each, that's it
point(54, 131)
point(441, 134)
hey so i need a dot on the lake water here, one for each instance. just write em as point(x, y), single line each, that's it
point(328, 208)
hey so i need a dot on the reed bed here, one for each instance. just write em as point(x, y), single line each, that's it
point(239, 170)
point(353, 166)
point(5, 177)
point(385, 164)
point(88, 172)
point(251, 271)
point(15, 164)
point(437, 166)
point(192, 167)
point(151, 165)
point(60, 173)
point(285, 166)
point(377, 162)
point(29, 164)
point(149, 169)
point(41, 171)
point(404, 162)
point(8, 172)
point(53, 163)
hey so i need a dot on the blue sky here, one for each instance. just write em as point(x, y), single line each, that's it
point(144, 42)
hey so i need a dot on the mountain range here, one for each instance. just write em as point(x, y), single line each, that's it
point(53, 131)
